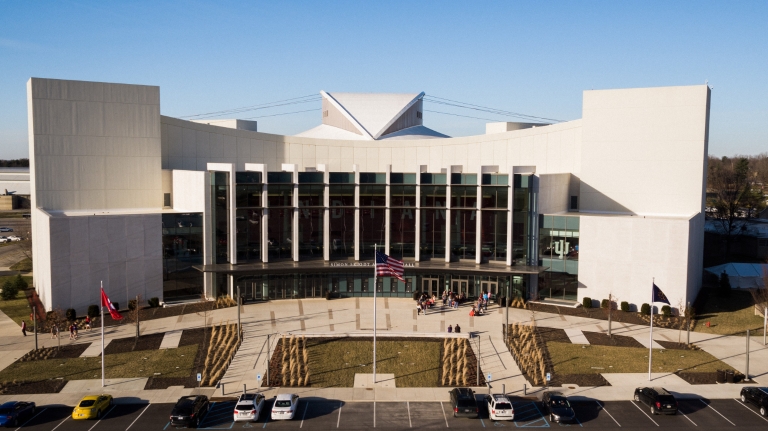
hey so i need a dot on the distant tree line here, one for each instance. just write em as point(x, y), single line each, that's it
point(15, 163)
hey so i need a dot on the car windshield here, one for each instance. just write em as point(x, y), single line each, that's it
point(559, 402)
point(503, 406)
point(244, 407)
point(282, 403)
point(87, 403)
point(466, 403)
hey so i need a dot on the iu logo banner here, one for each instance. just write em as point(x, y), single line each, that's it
point(105, 302)
point(659, 296)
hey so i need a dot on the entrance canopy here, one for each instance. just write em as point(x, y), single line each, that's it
point(742, 275)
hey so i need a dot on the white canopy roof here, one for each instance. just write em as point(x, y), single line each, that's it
point(742, 275)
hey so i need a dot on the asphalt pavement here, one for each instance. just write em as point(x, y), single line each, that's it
point(322, 414)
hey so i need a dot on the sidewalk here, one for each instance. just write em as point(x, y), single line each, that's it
point(396, 315)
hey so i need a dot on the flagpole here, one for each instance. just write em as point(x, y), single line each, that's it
point(101, 308)
point(650, 342)
point(374, 311)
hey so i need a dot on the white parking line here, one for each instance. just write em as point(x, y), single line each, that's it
point(444, 416)
point(338, 421)
point(38, 414)
point(306, 407)
point(137, 417)
point(102, 418)
point(646, 414)
point(686, 416)
point(745, 406)
point(603, 409)
point(65, 419)
point(721, 415)
point(408, 404)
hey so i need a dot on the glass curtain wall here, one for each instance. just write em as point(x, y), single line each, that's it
point(311, 215)
point(280, 226)
point(220, 215)
point(495, 198)
point(182, 249)
point(433, 216)
point(559, 252)
point(521, 218)
point(402, 216)
point(463, 216)
point(372, 213)
point(342, 215)
point(248, 216)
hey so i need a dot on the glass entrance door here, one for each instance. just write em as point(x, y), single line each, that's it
point(430, 286)
point(491, 287)
point(460, 286)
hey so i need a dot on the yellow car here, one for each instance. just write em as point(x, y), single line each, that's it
point(92, 407)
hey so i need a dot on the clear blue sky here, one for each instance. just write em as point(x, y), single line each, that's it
point(529, 57)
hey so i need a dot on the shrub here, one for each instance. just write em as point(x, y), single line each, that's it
point(604, 303)
point(645, 309)
point(328, 295)
point(93, 311)
point(20, 283)
point(586, 302)
point(9, 290)
point(132, 304)
point(154, 302)
point(71, 314)
point(666, 311)
point(624, 306)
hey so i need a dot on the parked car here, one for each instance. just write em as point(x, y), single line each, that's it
point(499, 407)
point(285, 406)
point(6, 229)
point(756, 396)
point(92, 407)
point(556, 405)
point(3, 239)
point(463, 403)
point(659, 399)
point(249, 407)
point(15, 413)
point(14, 238)
point(189, 410)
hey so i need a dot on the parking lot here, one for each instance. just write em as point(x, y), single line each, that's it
point(314, 413)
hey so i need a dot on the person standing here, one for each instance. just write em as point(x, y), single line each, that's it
point(87, 323)
point(53, 331)
point(72, 331)
point(24, 327)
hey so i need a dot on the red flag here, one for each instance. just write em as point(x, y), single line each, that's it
point(105, 302)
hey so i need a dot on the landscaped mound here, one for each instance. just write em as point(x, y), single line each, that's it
point(224, 343)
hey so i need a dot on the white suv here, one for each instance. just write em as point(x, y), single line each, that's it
point(249, 407)
point(285, 406)
point(499, 407)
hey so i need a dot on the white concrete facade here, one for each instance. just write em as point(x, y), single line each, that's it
point(636, 162)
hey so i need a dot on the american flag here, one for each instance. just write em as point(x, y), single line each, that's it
point(389, 267)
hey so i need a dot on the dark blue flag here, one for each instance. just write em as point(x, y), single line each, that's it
point(658, 295)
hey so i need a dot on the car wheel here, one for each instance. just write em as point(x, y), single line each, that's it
point(637, 398)
point(763, 411)
point(743, 399)
point(653, 410)
point(16, 422)
point(98, 414)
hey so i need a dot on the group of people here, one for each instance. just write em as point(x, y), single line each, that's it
point(481, 306)
point(424, 302)
point(73, 329)
point(452, 299)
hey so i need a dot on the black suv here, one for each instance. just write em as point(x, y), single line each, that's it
point(463, 403)
point(189, 410)
point(556, 405)
point(756, 396)
point(659, 399)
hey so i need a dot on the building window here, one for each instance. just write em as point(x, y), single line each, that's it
point(574, 203)
point(220, 216)
point(463, 233)
point(182, 250)
point(418, 114)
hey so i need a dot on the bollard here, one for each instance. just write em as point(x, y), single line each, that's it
point(222, 389)
point(504, 388)
point(244, 389)
point(525, 389)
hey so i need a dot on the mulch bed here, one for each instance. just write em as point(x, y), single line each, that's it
point(629, 317)
point(707, 378)
point(145, 342)
point(188, 337)
point(603, 339)
point(672, 345)
point(40, 387)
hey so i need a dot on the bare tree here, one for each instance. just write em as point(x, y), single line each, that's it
point(134, 310)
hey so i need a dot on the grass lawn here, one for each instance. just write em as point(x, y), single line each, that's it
point(333, 363)
point(23, 265)
point(591, 359)
point(169, 362)
point(17, 309)
point(731, 315)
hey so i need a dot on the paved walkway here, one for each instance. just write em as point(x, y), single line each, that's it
point(354, 315)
